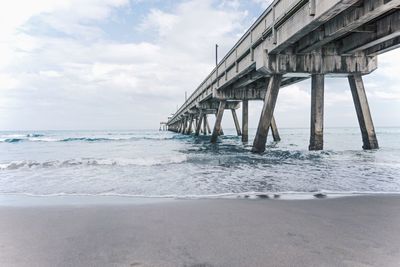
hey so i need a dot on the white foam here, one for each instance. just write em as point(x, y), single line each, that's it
point(248, 195)
point(145, 161)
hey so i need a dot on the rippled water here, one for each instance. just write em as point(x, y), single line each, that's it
point(152, 163)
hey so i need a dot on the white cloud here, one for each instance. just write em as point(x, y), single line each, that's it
point(56, 55)
point(80, 68)
point(7, 82)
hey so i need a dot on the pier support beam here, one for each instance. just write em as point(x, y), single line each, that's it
point(267, 113)
point(189, 129)
point(221, 131)
point(236, 121)
point(198, 126)
point(274, 130)
point(317, 112)
point(208, 125)
point(183, 125)
point(217, 126)
point(363, 112)
point(205, 124)
point(245, 121)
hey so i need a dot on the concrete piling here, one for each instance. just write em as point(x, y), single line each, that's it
point(199, 123)
point(274, 130)
point(267, 112)
point(205, 124)
point(317, 112)
point(363, 112)
point(217, 127)
point(245, 121)
point(236, 121)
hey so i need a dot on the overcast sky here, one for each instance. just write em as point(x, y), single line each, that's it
point(125, 64)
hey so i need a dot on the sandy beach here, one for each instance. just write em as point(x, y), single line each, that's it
point(349, 231)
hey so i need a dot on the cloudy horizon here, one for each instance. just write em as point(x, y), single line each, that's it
point(126, 64)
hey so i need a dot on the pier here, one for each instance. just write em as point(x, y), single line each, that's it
point(291, 41)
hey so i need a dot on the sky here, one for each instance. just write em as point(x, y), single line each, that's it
point(126, 64)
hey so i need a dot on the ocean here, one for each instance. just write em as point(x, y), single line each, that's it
point(147, 163)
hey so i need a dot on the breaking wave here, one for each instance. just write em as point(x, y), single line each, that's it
point(15, 165)
point(44, 138)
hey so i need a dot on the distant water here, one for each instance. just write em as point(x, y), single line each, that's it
point(153, 163)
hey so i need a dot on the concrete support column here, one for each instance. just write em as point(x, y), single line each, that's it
point(245, 121)
point(236, 121)
point(190, 128)
point(274, 130)
point(217, 126)
point(267, 113)
point(208, 125)
point(363, 112)
point(183, 125)
point(205, 124)
point(199, 123)
point(317, 112)
point(221, 131)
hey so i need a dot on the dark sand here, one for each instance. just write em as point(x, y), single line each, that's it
point(351, 231)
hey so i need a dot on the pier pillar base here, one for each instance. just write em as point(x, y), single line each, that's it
point(245, 121)
point(267, 113)
point(217, 126)
point(363, 112)
point(317, 112)
point(236, 121)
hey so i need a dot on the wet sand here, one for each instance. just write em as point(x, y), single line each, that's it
point(350, 231)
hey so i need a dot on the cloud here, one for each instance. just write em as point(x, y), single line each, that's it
point(61, 58)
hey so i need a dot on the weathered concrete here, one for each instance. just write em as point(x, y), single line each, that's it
point(200, 120)
point(317, 112)
point(274, 130)
point(190, 128)
point(363, 112)
point(245, 121)
point(236, 122)
point(217, 127)
point(208, 125)
point(267, 113)
point(204, 124)
point(221, 131)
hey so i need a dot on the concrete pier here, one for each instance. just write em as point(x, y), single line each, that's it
point(294, 40)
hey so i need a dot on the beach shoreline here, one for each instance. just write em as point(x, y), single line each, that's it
point(346, 231)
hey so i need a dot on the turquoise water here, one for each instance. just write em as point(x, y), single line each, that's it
point(153, 163)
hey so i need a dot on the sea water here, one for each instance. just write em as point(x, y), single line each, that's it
point(150, 163)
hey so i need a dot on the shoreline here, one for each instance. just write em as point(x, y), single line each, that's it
point(346, 231)
point(30, 200)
